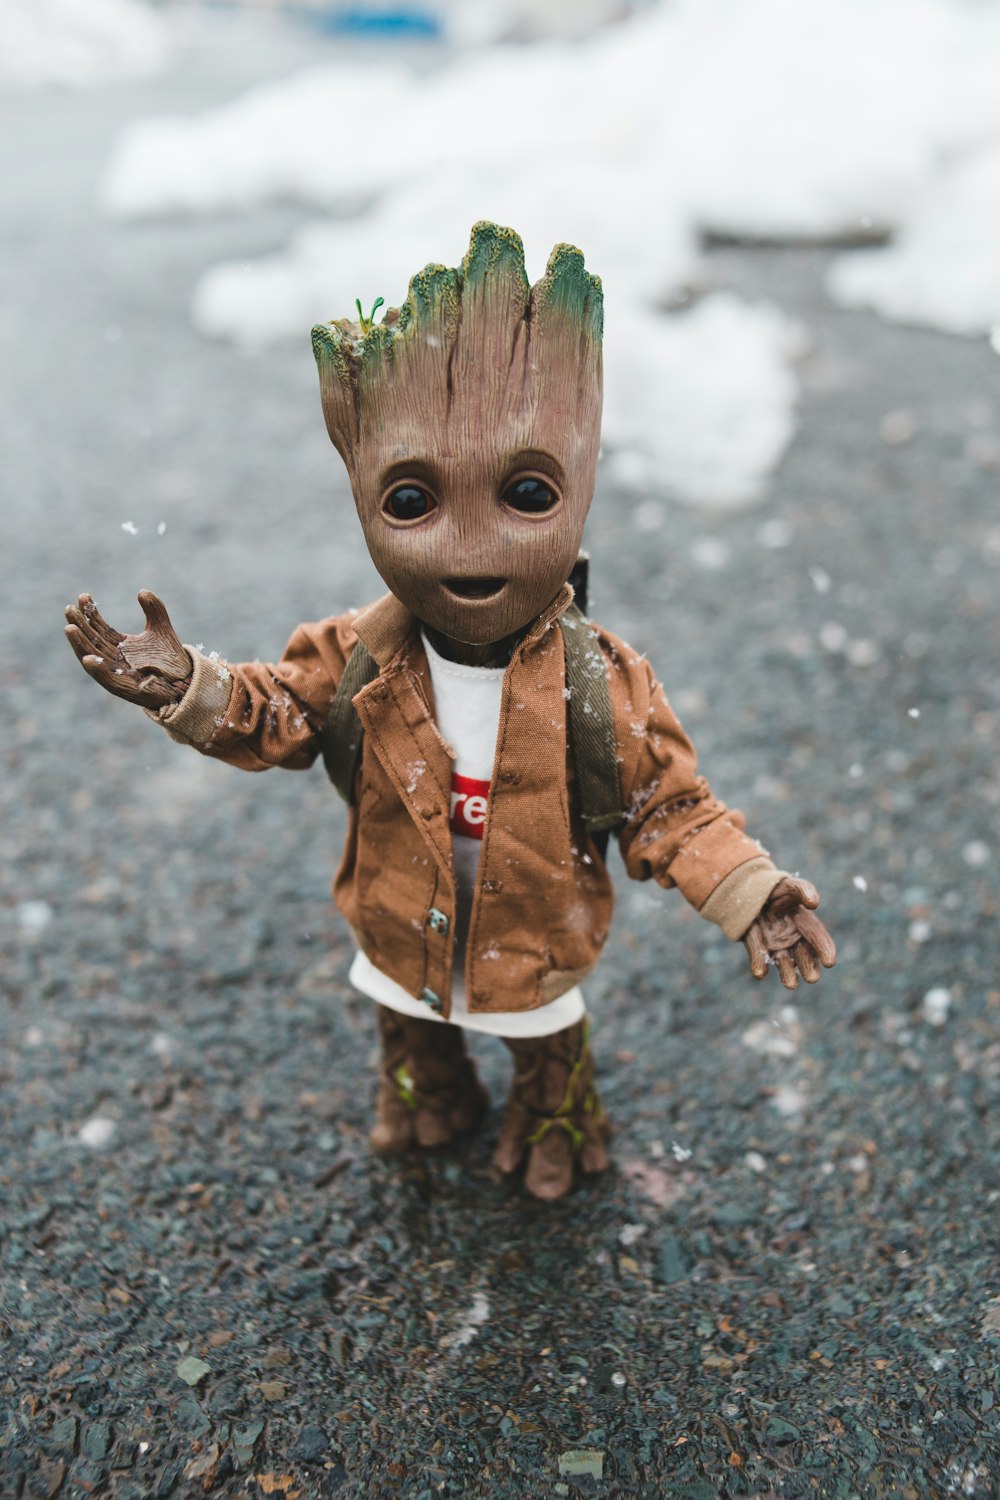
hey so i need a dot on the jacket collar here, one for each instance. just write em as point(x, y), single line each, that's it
point(386, 626)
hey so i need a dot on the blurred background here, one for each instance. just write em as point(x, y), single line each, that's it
point(646, 132)
point(795, 210)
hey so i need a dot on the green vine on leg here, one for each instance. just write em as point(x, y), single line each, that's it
point(405, 1087)
point(562, 1116)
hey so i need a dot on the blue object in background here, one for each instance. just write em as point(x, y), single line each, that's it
point(405, 21)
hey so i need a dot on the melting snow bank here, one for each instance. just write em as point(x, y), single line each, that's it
point(701, 404)
point(760, 118)
point(293, 139)
point(77, 41)
point(944, 268)
point(751, 117)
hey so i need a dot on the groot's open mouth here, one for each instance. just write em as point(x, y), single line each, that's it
point(474, 588)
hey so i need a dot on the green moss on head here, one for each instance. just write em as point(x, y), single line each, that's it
point(433, 301)
point(495, 257)
point(569, 290)
point(494, 251)
point(346, 346)
point(332, 345)
point(471, 327)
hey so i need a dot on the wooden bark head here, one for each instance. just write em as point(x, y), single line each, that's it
point(482, 394)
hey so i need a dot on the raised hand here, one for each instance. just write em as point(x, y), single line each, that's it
point(788, 934)
point(150, 669)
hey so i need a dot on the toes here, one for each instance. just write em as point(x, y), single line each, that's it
point(517, 1125)
point(387, 1138)
point(431, 1129)
point(393, 1129)
point(508, 1154)
point(419, 1118)
point(549, 1173)
point(594, 1157)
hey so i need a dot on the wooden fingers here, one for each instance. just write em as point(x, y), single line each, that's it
point(790, 893)
point(116, 677)
point(786, 969)
point(101, 638)
point(805, 962)
point(757, 950)
point(792, 960)
point(158, 648)
point(816, 935)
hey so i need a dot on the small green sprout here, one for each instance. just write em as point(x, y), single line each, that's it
point(367, 323)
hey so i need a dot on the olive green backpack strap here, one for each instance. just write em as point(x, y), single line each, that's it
point(591, 727)
point(343, 732)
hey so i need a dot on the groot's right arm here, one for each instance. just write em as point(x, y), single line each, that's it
point(253, 715)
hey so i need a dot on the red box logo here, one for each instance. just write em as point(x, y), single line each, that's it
point(469, 800)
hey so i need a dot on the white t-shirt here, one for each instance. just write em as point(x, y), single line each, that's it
point(468, 718)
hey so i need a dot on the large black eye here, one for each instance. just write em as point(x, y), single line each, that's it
point(530, 496)
point(409, 503)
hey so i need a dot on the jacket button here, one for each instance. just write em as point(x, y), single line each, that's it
point(437, 921)
point(432, 1001)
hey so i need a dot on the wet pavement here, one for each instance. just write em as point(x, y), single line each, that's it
point(788, 1283)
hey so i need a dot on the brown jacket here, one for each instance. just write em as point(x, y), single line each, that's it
point(543, 901)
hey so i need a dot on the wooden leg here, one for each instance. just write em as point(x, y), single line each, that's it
point(428, 1091)
point(554, 1117)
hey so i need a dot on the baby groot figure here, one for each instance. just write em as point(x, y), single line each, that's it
point(486, 735)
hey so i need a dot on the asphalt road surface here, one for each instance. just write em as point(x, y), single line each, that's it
point(788, 1284)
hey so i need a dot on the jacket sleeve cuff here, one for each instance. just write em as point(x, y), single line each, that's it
point(196, 717)
point(738, 900)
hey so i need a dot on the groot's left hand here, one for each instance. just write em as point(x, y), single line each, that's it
point(789, 934)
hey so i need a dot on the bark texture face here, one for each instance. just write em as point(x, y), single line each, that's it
point(482, 395)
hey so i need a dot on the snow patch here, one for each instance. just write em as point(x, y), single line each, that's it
point(976, 854)
point(789, 1101)
point(936, 1005)
point(78, 42)
point(97, 1133)
point(762, 1036)
point(33, 917)
point(700, 405)
point(943, 270)
point(631, 142)
point(880, 91)
point(630, 1233)
point(474, 1319)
